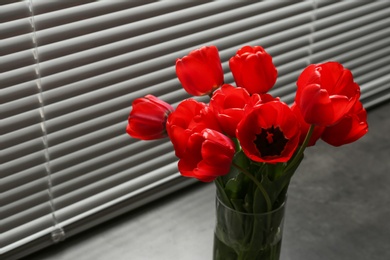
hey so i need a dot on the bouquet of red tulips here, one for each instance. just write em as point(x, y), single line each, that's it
point(245, 139)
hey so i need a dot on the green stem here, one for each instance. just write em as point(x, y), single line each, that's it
point(301, 149)
point(222, 193)
point(258, 184)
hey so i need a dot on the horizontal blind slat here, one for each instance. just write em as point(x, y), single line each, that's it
point(117, 77)
point(42, 7)
point(100, 35)
point(373, 61)
point(27, 232)
point(22, 163)
point(345, 47)
point(20, 136)
point(84, 188)
point(14, 123)
point(344, 11)
point(17, 60)
point(20, 106)
point(376, 86)
point(65, 12)
point(353, 23)
point(65, 79)
point(16, 44)
point(31, 177)
point(156, 36)
point(14, 11)
point(27, 215)
point(19, 76)
point(374, 70)
point(372, 43)
point(14, 28)
point(22, 149)
point(18, 91)
point(106, 196)
point(351, 35)
point(108, 175)
point(22, 42)
point(25, 203)
point(88, 159)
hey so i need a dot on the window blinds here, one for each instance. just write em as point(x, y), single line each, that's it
point(70, 70)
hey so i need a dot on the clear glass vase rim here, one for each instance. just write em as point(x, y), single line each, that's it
point(254, 214)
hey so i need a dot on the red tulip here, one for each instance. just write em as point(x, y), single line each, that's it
point(253, 69)
point(148, 117)
point(318, 130)
point(208, 155)
point(269, 133)
point(228, 103)
point(201, 71)
point(259, 99)
point(189, 117)
point(349, 129)
point(326, 92)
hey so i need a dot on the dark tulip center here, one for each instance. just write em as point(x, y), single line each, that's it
point(270, 142)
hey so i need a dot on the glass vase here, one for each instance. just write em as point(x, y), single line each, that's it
point(239, 235)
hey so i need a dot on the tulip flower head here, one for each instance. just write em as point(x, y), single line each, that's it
point(253, 69)
point(148, 117)
point(229, 104)
point(189, 117)
point(326, 92)
point(208, 155)
point(269, 133)
point(200, 73)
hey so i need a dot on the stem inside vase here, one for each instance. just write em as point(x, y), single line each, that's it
point(240, 235)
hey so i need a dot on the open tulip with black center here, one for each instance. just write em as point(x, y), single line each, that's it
point(269, 133)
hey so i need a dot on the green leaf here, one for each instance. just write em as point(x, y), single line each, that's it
point(259, 202)
point(248, 202)
point(223, 197)
point(241, 159)
point(238, 204)
point(232, 188)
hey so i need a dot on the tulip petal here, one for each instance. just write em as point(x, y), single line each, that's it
point(316, 106)
point(349, 129)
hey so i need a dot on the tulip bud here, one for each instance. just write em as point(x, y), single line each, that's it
point(200, 73)
point(148, 117)
point(253, 69)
